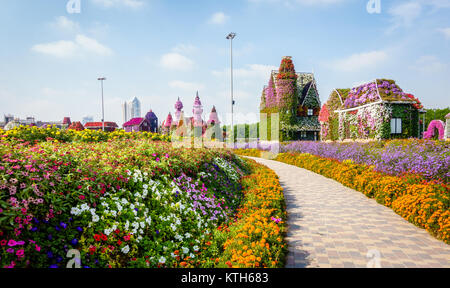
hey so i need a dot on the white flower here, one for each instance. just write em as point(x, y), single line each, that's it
point(192, 256)
point(162, 260)
point(196, 248)
point(125, 249)
point(95, 218)
point(187, 235)
point(75, 211)
point(185, 250)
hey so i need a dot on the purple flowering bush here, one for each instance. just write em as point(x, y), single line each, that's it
point(430, 159)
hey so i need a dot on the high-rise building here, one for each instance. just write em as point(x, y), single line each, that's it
point(135, 108)
point(125, 114)
point(131, 109)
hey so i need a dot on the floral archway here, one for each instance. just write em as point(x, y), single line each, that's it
point(435, 124)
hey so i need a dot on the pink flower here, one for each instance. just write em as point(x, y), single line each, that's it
point(38, 248)
point(20, 253)
point(12, 243)
point(81, 197)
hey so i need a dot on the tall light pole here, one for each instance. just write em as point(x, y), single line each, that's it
point(231, 37)
point(101, 79)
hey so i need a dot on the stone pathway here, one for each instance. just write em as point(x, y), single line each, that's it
point(334, 226)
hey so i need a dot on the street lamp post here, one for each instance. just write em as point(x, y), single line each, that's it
point(103, 106)
point(231, 37)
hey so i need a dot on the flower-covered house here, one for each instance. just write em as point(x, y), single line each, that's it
point(296, 98)
point(149, 123)
point(375, 110)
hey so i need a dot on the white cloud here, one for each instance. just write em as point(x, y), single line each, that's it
point(82, 45)
point(445, 31)
point(112, 3)
point(176, 61)
point(404, 14)
point(60, 49)
point(251, 71)
point(184, 49)
point(65, 24)
point(218, 18)
point(92, 45)
point(186, 86)
point(359, 61)
point(429, 64)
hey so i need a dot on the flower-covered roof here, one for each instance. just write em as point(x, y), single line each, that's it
point(66, 121)
point(99, 124)
point(134, 121)
point(371, 92)
point(77, 126)
point(150, 115)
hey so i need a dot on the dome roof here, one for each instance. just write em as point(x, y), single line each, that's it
point(179, 105)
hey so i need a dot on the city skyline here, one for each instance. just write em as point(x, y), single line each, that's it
point(52, 59)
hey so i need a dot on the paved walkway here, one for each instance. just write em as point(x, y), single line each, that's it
point(334, 226)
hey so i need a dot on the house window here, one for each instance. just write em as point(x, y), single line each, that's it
point(303, 134)
point(310, 112)
point(396, 126)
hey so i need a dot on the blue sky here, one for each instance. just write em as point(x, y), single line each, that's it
point(159, 50)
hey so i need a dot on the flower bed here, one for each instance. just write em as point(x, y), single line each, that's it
point(32, 135)
point(134, 203)
point(429, 159)
point(256, 237)
point(248, 152)
point(424, 203)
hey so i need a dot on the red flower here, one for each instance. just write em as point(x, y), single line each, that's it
point(104, 237)
point(126, 237)
point(92, 250)
point(119, 242)
point(97, 237)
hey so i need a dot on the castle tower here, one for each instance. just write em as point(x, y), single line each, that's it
point(197, 111)
point(178, 111)
point(213, 119)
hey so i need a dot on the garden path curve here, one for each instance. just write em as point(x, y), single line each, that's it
point(330, 225)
